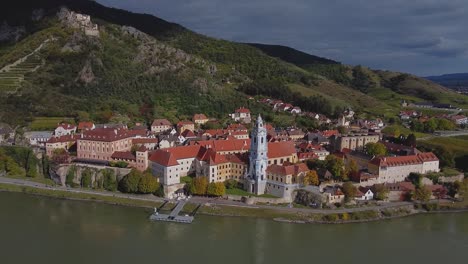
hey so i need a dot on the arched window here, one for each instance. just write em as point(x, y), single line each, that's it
point(262, 140)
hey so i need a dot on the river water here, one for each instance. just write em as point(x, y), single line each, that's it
point(43, 230)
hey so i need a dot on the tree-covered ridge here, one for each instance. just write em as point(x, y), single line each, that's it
point(142, 67)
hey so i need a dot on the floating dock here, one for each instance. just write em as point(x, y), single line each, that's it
point(174, 215)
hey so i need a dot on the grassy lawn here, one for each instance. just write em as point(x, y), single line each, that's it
point(457, 145)
point(49, 123)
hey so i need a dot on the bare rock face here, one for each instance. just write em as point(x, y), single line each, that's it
point(8, 33)
point(201, 84)
point(86, 74)
point(127, 30)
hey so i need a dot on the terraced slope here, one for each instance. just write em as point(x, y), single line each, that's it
point(11, 76)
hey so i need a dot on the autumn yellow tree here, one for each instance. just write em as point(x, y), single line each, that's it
point(311, 178)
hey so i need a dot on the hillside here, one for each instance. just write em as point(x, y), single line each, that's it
point(140, 67)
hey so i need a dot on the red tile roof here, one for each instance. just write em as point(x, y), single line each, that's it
point(404, 160)
point(231, 145)
point(85, 125)
point(199, 117)
point(329, 133)
point(107, 134)
point(288, 170)
point(169, 156)
point(188, 134)
point(161, 122)
point(242, 110)
point(66, 126)
point(63, 139)
point(145, 141)
point(281, 149)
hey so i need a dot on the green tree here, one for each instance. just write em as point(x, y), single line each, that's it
point(410, 140)
point(129, 183)
point(199, 186)
point(351, 169)
point(422, 194)
point(335, 166)
point(349, 191)
point(70, 178)
point(376, 149)
point(311, 178)
point(216, 189)
point(231, 184)
point(109, 180)
point(148, 184)
point(86, 178)
point(381, 192)
point(430, 125)
point(445, 124)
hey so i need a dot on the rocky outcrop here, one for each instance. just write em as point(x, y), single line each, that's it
point(86, 74)
point(74, 43)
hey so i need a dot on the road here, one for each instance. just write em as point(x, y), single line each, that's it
point(200, 200)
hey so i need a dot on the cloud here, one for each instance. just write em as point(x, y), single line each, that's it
point(366, 32)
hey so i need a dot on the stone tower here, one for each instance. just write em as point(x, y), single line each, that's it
point(256, 176)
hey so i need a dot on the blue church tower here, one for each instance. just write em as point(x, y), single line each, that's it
point(256, 176)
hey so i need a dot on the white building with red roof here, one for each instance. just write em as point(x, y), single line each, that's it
point(161, 125)
point(242, 115)
point(64, 129)
point(397, 169)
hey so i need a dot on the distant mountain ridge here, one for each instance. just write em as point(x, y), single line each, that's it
point(452, 80)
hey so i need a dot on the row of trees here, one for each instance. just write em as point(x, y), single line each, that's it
point(432, 125)
point(138, 182)
point(200, 186)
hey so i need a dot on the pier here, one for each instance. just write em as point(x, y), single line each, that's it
point(174, 216)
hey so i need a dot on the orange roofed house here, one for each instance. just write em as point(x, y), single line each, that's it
point(282, 181)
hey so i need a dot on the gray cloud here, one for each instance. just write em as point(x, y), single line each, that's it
point(424, 37)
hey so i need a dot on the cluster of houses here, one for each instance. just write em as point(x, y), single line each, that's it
point(266, 160)
point(278, 105)
point(457, 119)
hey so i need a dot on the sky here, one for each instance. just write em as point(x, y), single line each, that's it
point(423, 37)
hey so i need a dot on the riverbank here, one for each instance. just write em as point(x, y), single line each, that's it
point(231, 210)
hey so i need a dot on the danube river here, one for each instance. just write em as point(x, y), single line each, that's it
point(42, 230)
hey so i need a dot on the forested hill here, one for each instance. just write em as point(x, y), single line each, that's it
point(141, 67)
point(291, 55)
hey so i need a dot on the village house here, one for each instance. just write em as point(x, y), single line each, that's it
point(64, 129)
point(283, 180)
point(148, 143)
point(160, 125)
point(185, 125)
point(200, 119)
point(459, 119)
point(399, 191)
point(364, 194)
point(137, 159)
point(333, 195)
point(296, 110)
point(242, 115)
point(38, 138)
point(63, 142)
